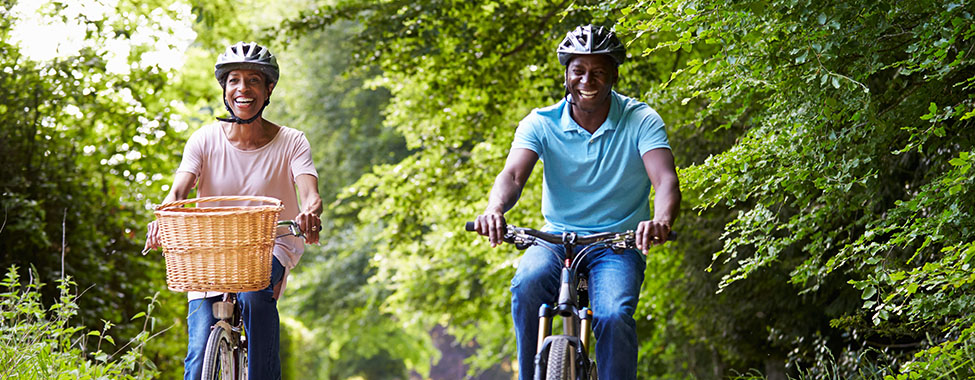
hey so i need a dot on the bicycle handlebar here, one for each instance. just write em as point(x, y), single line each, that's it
point(293, 229)
point(520, 235)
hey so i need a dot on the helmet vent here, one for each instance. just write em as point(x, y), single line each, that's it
point(591, 40)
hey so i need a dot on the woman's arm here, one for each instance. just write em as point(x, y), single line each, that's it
point(182, 185)
point(311, 207)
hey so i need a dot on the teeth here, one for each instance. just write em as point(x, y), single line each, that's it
point(244, 100)
point(588, 94)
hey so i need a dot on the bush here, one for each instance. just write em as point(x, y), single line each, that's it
point(42, 343)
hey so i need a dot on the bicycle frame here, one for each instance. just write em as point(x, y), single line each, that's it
point(576, 322)
point(228, 332)
point(573, 293)
point(229, 320)
point(572, 306)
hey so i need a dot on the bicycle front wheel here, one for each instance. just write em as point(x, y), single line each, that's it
point(218, 361)
point(242, 361)
point(561, 365)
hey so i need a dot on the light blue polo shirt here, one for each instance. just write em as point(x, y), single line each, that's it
point(594, 182)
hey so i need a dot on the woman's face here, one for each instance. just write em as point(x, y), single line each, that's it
point(246, 92)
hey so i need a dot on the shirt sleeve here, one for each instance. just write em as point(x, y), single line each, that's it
point(193, 154)
point(653, 135)
point(301, 161)
point(527, 135)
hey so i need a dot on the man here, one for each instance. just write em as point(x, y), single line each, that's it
point(602, 151)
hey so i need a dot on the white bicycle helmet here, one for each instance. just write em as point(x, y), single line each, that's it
point(249, 56)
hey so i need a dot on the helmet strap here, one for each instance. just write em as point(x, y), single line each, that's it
point(565, 84)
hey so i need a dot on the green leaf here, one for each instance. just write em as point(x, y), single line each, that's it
point(912, 288)
point(897, 276)
point(868, 292)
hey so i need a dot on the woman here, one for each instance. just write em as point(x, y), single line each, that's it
point(246, 154)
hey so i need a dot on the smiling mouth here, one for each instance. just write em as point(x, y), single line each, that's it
point(243, 102)
point(588, 94)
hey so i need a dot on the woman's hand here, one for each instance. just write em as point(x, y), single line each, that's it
point(310, 224)
point(152, 237)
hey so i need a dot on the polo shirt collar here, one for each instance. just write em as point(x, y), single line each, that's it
point(612, 119)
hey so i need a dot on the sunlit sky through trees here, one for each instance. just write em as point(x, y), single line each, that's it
point(43, 37)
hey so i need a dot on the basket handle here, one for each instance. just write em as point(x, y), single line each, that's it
point(176, 204)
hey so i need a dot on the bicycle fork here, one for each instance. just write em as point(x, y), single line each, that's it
point(576, 327)
point(228, 318)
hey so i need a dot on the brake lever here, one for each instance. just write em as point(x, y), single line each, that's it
point(521, 242)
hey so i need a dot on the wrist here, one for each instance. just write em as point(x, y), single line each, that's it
point(494, 210)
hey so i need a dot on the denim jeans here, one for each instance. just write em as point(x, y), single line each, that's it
point(260, 314)
point(614, 290)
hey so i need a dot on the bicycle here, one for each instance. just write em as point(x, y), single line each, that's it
point(225, 357)
point(566, 356)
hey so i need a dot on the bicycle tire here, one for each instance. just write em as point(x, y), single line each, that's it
point(560, 363)
point(218, 360)
point(242, 361)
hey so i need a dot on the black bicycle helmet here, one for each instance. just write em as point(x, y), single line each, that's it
point(588, 40)
point(248, 56)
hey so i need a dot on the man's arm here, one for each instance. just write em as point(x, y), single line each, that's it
point(505, 193)
point(662, 172)
point(311, 207)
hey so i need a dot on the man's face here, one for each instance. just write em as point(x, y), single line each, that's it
point(247, 91)
point(590, 79)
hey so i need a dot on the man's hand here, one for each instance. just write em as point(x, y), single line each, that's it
point(651, 232)
point(492, 225)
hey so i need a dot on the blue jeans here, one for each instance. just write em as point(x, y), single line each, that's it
point(614, 290)
point(260, 314)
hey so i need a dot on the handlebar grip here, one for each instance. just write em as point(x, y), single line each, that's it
point(469, 226)
point(671, 236)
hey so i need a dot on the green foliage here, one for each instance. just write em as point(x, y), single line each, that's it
point(87, 138)
point(44, 343)
point(845, 170)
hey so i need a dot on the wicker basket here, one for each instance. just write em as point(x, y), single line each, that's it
point(225, 249)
